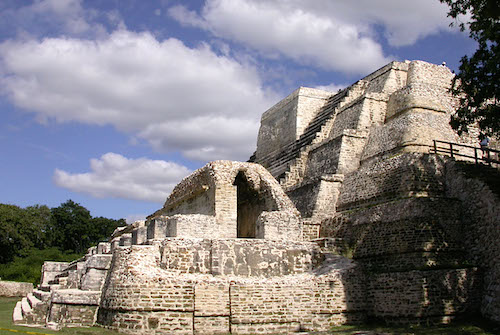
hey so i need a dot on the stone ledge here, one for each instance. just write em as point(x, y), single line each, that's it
point(76, 297)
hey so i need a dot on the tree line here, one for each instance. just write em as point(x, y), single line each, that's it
point(27, 235)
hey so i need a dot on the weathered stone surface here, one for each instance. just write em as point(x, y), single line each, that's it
point(76, 297)
point(230, 253)
point(14, 289)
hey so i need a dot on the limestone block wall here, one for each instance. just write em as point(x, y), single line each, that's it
point(481, 209)
point(94, 272)
point(423, 296)
point(279, 225)
point(401, 175)
point(388, 79)
point(394, 216)
point(50, 270)
point(193, 225)
point(404, 234)
point(238, 257)
point(237, 194)
point(14, 289)
point(162, 301)
point(73, 307)
point(324, 159)
point(286, 121)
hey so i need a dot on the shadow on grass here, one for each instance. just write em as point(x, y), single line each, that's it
point(469, 326)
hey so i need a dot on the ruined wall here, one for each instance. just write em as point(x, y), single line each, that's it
point(241, 257)
point(481, 209)
point(423, 296)
point(286, 121)
point(395, 217)
point(14, 289)
point(163, 301)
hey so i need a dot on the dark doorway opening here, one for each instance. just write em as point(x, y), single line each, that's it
point(249, 207)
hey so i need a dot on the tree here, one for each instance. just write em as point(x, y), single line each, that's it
point(102, 228)
point(71, 223)
point(478, 81)
point(12, 240)
point(22, 229)
point(75, 230)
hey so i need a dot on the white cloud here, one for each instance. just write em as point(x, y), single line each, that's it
point(156, 90)
point(333, 35)
point(115, 176)
point(404, 21)
point(49, 17)
point(291, 30)
point(331, 87)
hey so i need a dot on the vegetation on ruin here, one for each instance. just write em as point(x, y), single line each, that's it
point(479, 75)
point(29, 236)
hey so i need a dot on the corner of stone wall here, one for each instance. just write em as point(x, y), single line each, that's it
point(482, 210)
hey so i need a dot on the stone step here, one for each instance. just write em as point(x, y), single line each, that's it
point(17, 315)
point(32, 300)
point(25, 306)
point(44, 288)
point(54, 281)
point(41, 295)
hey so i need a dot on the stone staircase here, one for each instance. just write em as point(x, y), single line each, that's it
point(318, 131)
point(278, 161)
point(61, 281)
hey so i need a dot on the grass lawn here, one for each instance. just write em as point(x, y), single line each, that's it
point(6, 308)
point(470, 327)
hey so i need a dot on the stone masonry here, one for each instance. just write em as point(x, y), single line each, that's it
point(342, 215)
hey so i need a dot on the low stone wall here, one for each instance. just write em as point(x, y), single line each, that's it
point(14, 289)
point(162, 301)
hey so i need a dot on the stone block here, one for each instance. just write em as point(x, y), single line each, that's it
point(14, 289)
point(211, 299)
point(139, 235)
point(76, 297)
point(211, 325)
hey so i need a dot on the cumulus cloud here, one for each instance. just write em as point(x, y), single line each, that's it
point(288, 29)
point(115, 176)
point(159, 91)
point(54, 17)
point(333, 35)
point(403, 22)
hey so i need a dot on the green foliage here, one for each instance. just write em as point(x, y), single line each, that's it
point(21, 229)
point(30, 235)
point(479, 75)
point(71, 223)
point(27, 268)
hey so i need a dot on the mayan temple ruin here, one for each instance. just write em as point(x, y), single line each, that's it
point(345, 213)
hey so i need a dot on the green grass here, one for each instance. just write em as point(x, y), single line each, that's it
point(7, 307)
point(473, 326)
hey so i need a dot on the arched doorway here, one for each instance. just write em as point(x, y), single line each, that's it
point(249, 207)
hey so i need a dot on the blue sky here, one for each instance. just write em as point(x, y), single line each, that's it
point(112, 102)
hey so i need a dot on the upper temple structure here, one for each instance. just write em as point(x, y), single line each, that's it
point(346, 212)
